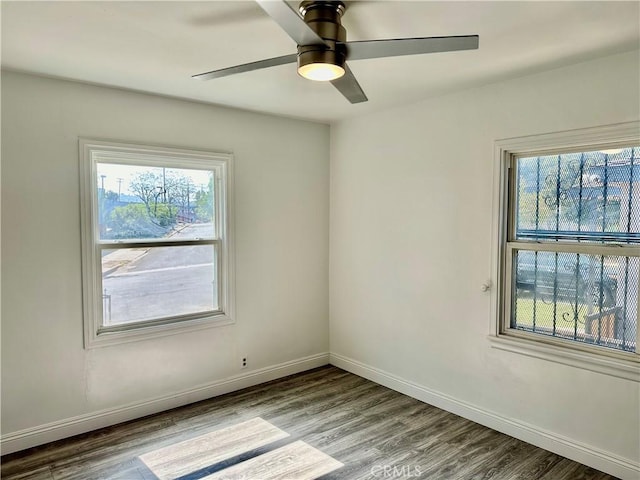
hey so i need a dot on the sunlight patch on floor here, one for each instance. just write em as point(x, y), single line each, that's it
point(250, 450)
point(196, 453)
point(297, 460)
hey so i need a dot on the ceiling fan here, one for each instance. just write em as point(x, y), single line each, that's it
point(323, 48)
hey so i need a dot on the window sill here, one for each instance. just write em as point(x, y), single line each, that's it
point(607, 365)
point(108, 338)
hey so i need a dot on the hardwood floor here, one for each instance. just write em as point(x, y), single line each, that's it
point(325, 423)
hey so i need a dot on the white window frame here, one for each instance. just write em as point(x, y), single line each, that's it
point(599, 359)
point(92, 152)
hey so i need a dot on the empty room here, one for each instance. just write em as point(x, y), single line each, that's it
point(284, 240)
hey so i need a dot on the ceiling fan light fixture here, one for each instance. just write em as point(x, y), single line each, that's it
point(320, 64)
point(321, 72)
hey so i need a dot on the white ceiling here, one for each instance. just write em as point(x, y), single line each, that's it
point(156, 46)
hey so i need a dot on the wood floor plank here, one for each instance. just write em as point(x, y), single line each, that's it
point(87, 446)
point(507, 455)
point(337, 415)
point(537, 465)
point(464, 452)
point(41, 473)
point(566, 468)
point(358, 464)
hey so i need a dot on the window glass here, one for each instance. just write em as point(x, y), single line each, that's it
point(574, 211)
point(147, 284)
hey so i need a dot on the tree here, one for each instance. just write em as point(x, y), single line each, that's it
point(146, 186)
point(167, 196)
point(132, 221)
point(156, 192)
point(575, 192)
point(204, 202)
point(107, 201)
point(180, 192)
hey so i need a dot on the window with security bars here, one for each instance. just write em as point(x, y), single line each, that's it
point(572, 253)
point(156, 240)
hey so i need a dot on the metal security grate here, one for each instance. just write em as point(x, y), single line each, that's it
point(587, 292)
point(586, 298)
point(589, 196)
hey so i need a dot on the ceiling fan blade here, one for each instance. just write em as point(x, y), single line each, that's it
point(348, 86)
point(409, 46)
point(290, 22)
point(247, 67)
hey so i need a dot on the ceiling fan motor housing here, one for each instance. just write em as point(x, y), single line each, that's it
point(324, 18)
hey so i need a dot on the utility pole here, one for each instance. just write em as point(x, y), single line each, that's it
point(119, 187)
point(103, 177)
point(164, 185)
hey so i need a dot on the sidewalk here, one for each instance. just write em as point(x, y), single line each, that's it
point(121, 258)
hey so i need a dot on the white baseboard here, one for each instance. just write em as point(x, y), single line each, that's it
point(585, 454)
point(15, 441)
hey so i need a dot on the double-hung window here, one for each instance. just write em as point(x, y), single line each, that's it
point(569, 261)
point(156, 240)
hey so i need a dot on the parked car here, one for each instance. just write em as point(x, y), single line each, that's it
point(591, 281)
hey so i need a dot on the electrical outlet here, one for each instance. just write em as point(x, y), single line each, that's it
point(243, 362)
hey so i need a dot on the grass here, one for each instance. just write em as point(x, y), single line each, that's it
point(544, 314)
point(565, 323)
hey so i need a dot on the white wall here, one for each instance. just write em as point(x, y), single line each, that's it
point(410, 242)
point(282, 207)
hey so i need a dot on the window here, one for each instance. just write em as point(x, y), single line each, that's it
point(569, 255)
point(157, 241)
